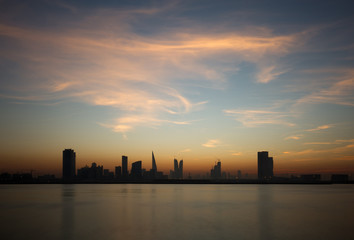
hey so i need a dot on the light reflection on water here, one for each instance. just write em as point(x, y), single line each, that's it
point(125, 211)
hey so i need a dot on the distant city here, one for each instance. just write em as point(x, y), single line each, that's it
point(97, 174)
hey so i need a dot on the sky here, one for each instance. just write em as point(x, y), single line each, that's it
point(200, 81)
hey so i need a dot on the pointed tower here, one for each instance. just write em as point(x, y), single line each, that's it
point(154, 168)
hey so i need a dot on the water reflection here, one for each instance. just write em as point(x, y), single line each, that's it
point(205, 212)
point(265, 211)
point(68, 211)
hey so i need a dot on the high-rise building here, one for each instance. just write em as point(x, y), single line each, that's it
point(239, 174)
point(180, 169)
point(153, 173)
point(124, 166)
point(177, 172)
point(69, 168)
point(175, 168)
point(265, 166)
point(215, 172)
point(136, 171)
point(154, 167)
point(118, 171)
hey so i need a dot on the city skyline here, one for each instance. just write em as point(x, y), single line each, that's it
point(193, 80)
point(138, 174)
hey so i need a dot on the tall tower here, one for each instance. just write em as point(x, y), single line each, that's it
point(154, 167)
point(124, 166)
point(175, 168)
point(136, 171)
point(180, 170)
point(215, 172)
point(69, 168)
point(265, 166)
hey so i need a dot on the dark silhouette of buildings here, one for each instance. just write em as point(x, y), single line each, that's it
point(108, 174)
point(239, 174)
point(93, 172)
point(96, 174)
point(69, 168)
point(118, 172)
point(124, 166)
point(154, 167)
point(153, 173)
point(136, 171)
point(177, 172)
point(180, 170)
point(215, 172)
point(22, 177)
point(339, 178)
point(265, 166)
point(310, 177)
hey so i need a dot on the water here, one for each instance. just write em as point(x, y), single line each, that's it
point(124, 211)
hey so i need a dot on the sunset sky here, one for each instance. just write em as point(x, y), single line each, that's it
point(192, 80)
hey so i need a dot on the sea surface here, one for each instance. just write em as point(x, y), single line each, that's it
point(148, 211)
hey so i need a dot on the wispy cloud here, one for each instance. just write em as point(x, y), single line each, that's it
point(340, 91)
point(294, 137)
point(138, 74)
point(236, 153)
point(322, 127)
point(339, 147)
point(126, 124)
point(269, 73)
point(318, 143)
point(185, 150)
point(254, 118)
point(212, 143)
point(339, 141)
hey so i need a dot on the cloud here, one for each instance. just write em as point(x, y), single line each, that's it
point(294, 137)
point(255, 118)
point(268, 74)
point(236, 153)
point(340, 90)
point(318, 143)
point(346, 146)
point(128, 123)
point(212, 143)
point(345, 140)
point(185, 150)
point(322, 127)
point(103, 60)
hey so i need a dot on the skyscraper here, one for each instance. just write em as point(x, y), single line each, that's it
point(136, 172)
point(177, 172)
point(265, 166)
point(180, 169)
point(175, 168)
point(215, 172)
point(118, 171)
point(124, 166)
point(154, 167)
point(69, 168)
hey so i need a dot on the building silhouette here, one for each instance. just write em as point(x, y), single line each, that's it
point(118, 171)
point(154, 167)
point(310, 177)
point(339, 178)
point(153, 173)
point(177, 172)
point(180, 170)
point(125, 166)
point(265, 166)
point(136, 171)
point(93, 172)
point(108, 174)
point(69, 168)
point(175, 167)
point(215, 172)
